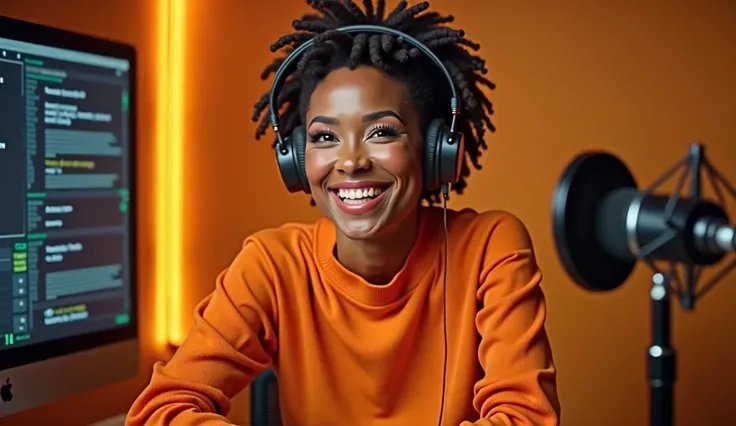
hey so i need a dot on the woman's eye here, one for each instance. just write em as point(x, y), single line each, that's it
point(322, 137)
point(384, 133)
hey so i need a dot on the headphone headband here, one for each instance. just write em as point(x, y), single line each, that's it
point(279, 78)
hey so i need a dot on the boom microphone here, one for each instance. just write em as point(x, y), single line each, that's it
point(628, 220)
point(603, 224)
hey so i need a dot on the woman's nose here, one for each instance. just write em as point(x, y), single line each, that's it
point(353, 158)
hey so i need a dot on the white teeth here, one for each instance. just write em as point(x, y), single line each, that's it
point(359, 194)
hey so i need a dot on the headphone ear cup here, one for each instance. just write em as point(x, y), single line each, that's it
point(451, 154)
point(431, 171)
point(290, 159)
point(299, 142)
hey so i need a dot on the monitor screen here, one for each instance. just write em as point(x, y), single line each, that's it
point(67, 282)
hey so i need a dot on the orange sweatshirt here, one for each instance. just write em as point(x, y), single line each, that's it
point(348, 353)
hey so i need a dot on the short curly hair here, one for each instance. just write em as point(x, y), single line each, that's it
point(333, 49)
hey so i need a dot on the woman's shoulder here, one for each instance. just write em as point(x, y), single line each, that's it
point(279, 255)
point(290, 239)
point(499, 227)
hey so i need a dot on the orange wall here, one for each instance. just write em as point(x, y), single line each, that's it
point(131, 21)
point(640, 79)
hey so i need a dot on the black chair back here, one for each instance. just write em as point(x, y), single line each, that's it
point(264, 400)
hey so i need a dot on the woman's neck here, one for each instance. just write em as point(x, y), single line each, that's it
point(379, 259)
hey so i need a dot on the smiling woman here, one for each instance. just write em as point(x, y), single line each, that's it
point(355, 312)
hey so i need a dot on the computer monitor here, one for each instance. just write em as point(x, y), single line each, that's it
point(68, 308)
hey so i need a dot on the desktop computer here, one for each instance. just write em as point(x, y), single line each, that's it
point(68, 307)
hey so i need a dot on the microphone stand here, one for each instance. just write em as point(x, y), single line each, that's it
point(662, 356)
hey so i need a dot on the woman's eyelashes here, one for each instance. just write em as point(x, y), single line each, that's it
point(382, 132)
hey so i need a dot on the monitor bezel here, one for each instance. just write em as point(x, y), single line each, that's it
point(14, 29)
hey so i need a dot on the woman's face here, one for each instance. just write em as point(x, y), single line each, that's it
point(363, 150)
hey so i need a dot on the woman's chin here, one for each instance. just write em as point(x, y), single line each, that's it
point(356, 228)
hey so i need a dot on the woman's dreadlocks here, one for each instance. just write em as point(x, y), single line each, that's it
point(333, 49)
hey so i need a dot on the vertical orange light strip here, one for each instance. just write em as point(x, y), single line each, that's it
point(169, 171)
point(175, 189)
point(162, 240)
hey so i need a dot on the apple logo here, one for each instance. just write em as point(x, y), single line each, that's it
point(6, 392)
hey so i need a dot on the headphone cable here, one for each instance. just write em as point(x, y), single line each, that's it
point(445, 196)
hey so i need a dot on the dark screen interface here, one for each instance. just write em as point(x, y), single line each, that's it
point(64, 198)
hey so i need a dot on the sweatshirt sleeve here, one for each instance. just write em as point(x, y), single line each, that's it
point(519, 384)
point(233, 339)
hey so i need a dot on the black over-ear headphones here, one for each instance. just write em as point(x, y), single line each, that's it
point(443, 146)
